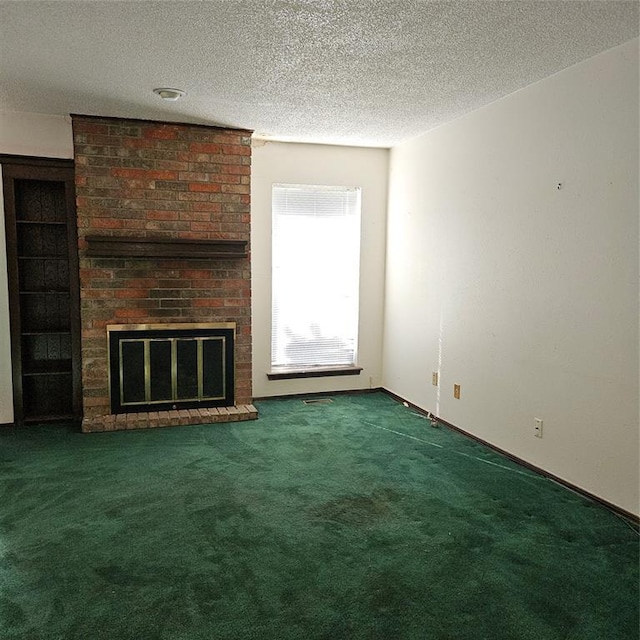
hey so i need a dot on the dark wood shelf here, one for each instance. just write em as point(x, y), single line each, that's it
point(43, 257)
point(49, 417)
point(47, 367)
point(46, 332)
point(44, 222)
point(141, 247)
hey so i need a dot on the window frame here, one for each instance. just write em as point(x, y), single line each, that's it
point(278, 371)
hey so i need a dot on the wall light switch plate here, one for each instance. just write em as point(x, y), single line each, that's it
point(434, 378)
point(456, 391)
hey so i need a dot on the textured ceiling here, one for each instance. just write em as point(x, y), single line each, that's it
point(336, 71)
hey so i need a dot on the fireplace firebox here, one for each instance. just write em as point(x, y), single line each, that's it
point(155, 367)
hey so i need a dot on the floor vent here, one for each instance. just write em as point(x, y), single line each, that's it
point(318, 401)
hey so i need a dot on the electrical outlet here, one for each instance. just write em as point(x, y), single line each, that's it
point(456, 391)
point(537, 427)
point(434, 378)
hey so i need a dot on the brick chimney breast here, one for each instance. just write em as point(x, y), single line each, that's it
point(154, 180)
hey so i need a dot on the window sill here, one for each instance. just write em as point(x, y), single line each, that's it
point(315, 372)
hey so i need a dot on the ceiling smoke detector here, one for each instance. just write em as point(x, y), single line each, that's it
point(170, 94)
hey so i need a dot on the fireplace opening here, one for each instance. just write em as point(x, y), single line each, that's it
point(171, 366)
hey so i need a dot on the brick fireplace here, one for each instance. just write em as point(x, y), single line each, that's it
point(163, 235)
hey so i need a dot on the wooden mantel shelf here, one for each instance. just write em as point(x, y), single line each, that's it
point(141, 247)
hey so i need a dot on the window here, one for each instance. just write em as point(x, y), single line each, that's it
point(316, 260)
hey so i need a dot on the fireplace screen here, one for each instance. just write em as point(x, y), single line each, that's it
point(170, 366)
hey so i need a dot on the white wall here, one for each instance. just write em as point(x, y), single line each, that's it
point(36, 134)
point(26, 134)
point(523, 293)
point(274, 162)
point(6, 387)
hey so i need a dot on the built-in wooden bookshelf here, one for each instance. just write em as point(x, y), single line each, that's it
point(43, 288)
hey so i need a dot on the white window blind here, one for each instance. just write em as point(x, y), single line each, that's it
point(316, 263)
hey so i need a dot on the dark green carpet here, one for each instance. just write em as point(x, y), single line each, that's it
point(315, 521)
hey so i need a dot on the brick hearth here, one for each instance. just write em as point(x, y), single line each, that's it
point(161, 181)
point(174, 418)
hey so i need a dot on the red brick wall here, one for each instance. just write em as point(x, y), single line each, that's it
point(154, 179)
